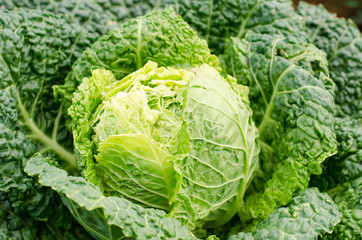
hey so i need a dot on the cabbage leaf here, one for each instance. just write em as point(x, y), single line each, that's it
point(310, 214)
point(342, 41)
point(32, 59)
point(342, 180)
point(294, 112)
point(161, 36)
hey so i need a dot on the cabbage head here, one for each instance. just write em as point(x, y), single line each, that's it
point(181, 140)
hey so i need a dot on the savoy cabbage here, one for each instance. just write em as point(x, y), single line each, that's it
point(117, 121)
point(154, 134)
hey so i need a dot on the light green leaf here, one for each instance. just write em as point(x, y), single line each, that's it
point(126, 113)
point(132, 165)
point(85, 102)
point(223, 151)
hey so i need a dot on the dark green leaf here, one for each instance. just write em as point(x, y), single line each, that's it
point(342, 41)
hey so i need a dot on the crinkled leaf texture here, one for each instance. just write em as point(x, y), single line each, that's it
point(161, 36)
point(33, 57)
point(117, 115)
point(290, 94)
point(342, 41)
point(223, 150)
point(216, 20)
point(342, 180)
point(30, 200)
point(130, 133)
point(165, 138)
point(96, 16)
point(105, 217)
point(16, 224)
point(309, 215)
point(348, 198)
point(346, 165)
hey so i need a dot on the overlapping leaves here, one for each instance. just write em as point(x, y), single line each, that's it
point(293, 109)
point(342, 41)
point(33, 57)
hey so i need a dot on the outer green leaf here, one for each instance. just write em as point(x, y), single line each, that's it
point(18, 225)
point(348, 198)
point(242, 236)
point(106, 217)
point(29, 201)
point(32, 60)
point(97, 16)
point(348, 160)
point(309, 215)
point(346, 165)
point(342, 41)
point(301, 53)
point(25, 206)
point(33, 57)
point(223, 151)
point(294, 113)
point(341, 178)
point(15, 224)
point(15, 151)
point(216, 20)
point(161, 36)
